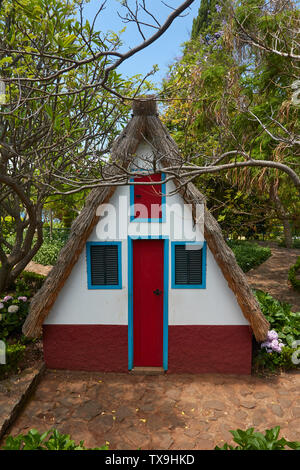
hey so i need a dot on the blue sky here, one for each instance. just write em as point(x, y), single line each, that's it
point(162, 52)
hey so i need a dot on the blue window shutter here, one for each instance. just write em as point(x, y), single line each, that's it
point(188, 265)
point(104, 265)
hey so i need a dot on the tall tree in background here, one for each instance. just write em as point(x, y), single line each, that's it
point(63, 106)
point(205, 15)
point(227, 94)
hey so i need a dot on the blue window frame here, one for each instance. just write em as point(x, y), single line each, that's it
point(104, 266)
point(163, 203)
point(188, 266)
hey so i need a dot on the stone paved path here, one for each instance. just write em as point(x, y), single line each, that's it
point(272, 276)
point(14, 392)
point(161, 412)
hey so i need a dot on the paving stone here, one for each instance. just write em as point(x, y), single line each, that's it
point(157, 421)
point(88, 410)
point(204, 444)
point(248, 404)
point(71, 401)
point(147, 407)
point(240, 414)
point(296, 411)
point(192, 432)
point(232, 398)
point(162, 441)
point(224, 429)
point(183, 442)
point(214, 405)
point(139, 439)
point(277, 410)
point(261, 395)
point(173, 393)
point(258, 417)
point(167, 405)
point(245, 392)
point(285, 402)
point(101, 424)
point(123, 412)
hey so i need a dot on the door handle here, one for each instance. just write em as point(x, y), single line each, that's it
point(157, 292)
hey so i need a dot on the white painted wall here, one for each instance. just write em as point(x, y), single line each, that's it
point(76, 304)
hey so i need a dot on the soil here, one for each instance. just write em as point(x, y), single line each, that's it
point(272, 276)
point(33, 354)
point(38, 268)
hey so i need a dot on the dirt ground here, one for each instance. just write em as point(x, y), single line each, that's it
point(272, 276)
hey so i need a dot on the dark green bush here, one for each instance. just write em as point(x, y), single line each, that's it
point(252, 440)
point(28, 283)
point(286, 324)
point(14, 355)
point(49, 251)
point(248, 254)
point(49, 440)
point(13, 312)
point(295, 245)
point(292, 275)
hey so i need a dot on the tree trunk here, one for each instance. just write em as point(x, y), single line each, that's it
point(281, 214)
point(51, 225)
point(5, 271)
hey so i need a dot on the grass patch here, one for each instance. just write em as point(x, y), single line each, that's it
point(249, 255)
point(49, 251)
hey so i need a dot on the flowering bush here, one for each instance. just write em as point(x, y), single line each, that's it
point(13, 311)
point(272, 343)
point(284, 332)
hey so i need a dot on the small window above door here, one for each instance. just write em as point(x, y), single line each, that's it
point(147, 202)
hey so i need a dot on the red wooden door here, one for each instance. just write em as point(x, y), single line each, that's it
point(148, 268)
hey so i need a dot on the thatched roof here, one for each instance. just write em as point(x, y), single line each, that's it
point(144, 124)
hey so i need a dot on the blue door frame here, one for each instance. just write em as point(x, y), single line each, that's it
point(165, 299)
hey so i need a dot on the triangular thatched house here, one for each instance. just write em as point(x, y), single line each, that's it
point(130, 290)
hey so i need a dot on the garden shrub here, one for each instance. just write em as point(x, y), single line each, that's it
point(14, 355)
point(292, 275)
point(295, 244)
point(253, 440)
point(287, 325)
point(49, 440)
point(248, 254)
point(49, 251)
point(13, 312)
point(28, 283)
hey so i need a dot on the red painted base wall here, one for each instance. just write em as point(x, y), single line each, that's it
point(196, 349)
point(86, 347)
point(201, 349)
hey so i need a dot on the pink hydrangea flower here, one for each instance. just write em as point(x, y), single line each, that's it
point(272, 334)
point(272, 343)
point(23, 298)
point(6, 298)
